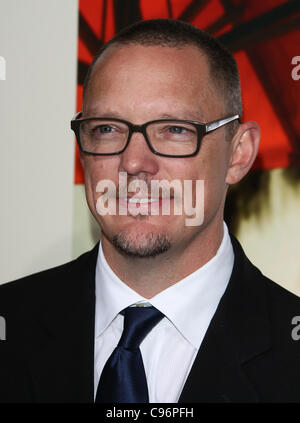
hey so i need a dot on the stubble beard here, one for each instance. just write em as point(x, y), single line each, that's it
point(144, 246)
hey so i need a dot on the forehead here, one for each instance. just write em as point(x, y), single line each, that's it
point(152, 75)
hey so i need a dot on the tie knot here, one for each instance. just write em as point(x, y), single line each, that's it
point(138, 321)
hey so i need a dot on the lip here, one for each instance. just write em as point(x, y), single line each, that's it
point(142, 205)
point(139, 200)
point(136, 199)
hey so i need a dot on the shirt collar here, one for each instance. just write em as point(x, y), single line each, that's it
point(196, 295)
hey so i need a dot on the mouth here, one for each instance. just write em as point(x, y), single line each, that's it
point(143, 205)
point(142, 200)
point(139, 198)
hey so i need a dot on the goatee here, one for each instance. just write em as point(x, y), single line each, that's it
point(145, 246)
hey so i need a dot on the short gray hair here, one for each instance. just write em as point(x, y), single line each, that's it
point(174, 33)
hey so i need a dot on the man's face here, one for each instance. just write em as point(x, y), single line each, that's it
point(140, 84)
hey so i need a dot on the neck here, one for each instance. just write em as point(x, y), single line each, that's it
point(150, 276)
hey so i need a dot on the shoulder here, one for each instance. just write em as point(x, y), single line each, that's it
point(260, 294)
point(42, 286)
point(276, 372)
point(280, 300)
point(258, 281)
point(283, 311)
point(283, 308)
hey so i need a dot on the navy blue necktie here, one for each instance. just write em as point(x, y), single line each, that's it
point(123, 378)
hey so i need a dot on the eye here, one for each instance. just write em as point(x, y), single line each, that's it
point(177, 129)
point(103, 129)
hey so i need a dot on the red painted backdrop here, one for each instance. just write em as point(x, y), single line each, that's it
point(264, 37)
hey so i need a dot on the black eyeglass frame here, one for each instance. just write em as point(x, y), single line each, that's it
point(202, 129)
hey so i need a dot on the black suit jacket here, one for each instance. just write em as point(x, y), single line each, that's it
point(247, 355)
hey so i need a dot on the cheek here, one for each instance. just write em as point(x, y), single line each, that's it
point(212, 170)
point(97, 169)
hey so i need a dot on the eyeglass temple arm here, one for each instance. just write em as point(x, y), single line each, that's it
point(218, 123)
point(77, 115)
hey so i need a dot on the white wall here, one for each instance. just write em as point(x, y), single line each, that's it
point(38, 40)
point(272, 240)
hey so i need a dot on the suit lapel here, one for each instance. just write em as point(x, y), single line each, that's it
point(62, 366)
point(238, 332)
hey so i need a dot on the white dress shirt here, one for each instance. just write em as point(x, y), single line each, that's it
point(170, 348)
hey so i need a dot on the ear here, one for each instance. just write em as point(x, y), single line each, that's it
point(244, 148)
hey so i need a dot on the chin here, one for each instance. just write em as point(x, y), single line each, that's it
point(141, 244)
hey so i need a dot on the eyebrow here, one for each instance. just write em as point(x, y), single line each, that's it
point(180, 116)
point(184, 116)
point(96, 113)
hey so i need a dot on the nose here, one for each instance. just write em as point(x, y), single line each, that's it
point(137, 158)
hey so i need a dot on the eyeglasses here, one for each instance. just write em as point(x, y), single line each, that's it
point(164, 137)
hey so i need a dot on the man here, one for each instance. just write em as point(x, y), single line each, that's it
point(161, 103)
